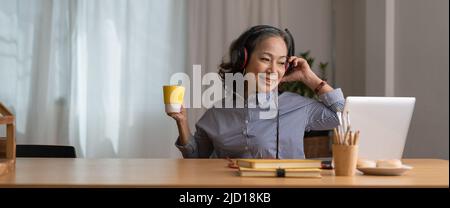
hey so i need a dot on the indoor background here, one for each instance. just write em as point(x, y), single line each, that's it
point(89, 73)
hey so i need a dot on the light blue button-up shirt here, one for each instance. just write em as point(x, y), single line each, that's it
point(241, 133)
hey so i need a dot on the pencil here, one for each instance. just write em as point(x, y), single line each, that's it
point(357, 138)
point(335, 136)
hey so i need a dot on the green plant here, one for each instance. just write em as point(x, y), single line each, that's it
point(299, 87)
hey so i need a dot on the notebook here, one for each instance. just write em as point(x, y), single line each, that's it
point(282, 163)
point(273, 172)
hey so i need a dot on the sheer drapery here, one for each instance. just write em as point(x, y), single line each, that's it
point(89, 73)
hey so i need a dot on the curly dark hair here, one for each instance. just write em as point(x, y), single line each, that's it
point(248, 41)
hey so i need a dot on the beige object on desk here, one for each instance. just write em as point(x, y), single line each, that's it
point(366, 163)
point(389, 163)
point(385, 171)
point(391, 167)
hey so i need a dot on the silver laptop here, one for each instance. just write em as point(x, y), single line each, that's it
point(383, 123)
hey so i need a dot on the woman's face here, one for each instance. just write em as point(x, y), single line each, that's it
point(267, 63)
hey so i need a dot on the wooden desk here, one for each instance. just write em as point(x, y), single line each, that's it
point(40, 172)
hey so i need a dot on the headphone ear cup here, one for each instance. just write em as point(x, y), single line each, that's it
point(244, 63)
point(239, 57)
point(235, 57)
point(286, 66)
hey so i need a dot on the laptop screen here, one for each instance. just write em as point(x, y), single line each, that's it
point(383, 123)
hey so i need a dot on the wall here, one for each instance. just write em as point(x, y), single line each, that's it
point(422, 71)
point(398, 48)
point(349, 49)
point(310, 21)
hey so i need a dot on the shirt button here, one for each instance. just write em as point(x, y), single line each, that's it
point(246, 121)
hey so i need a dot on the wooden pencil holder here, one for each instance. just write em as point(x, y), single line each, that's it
point(8, 143)
point(345, 159)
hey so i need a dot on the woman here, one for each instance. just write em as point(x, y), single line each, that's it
point(241, 132)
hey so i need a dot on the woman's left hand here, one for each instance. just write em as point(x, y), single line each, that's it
point(300, 72)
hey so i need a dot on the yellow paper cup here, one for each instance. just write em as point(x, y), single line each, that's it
point(173, 98)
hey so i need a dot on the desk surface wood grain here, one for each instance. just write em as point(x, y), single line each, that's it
point(51, 172)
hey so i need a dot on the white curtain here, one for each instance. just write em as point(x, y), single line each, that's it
point(89, 73)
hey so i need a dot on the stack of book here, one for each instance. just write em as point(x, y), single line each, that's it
point(280, 168)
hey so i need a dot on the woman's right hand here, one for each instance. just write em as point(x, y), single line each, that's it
point(179, 117)
point(183, 127)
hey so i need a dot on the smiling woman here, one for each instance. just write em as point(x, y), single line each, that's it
point(272, 47)
point(244, 132)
